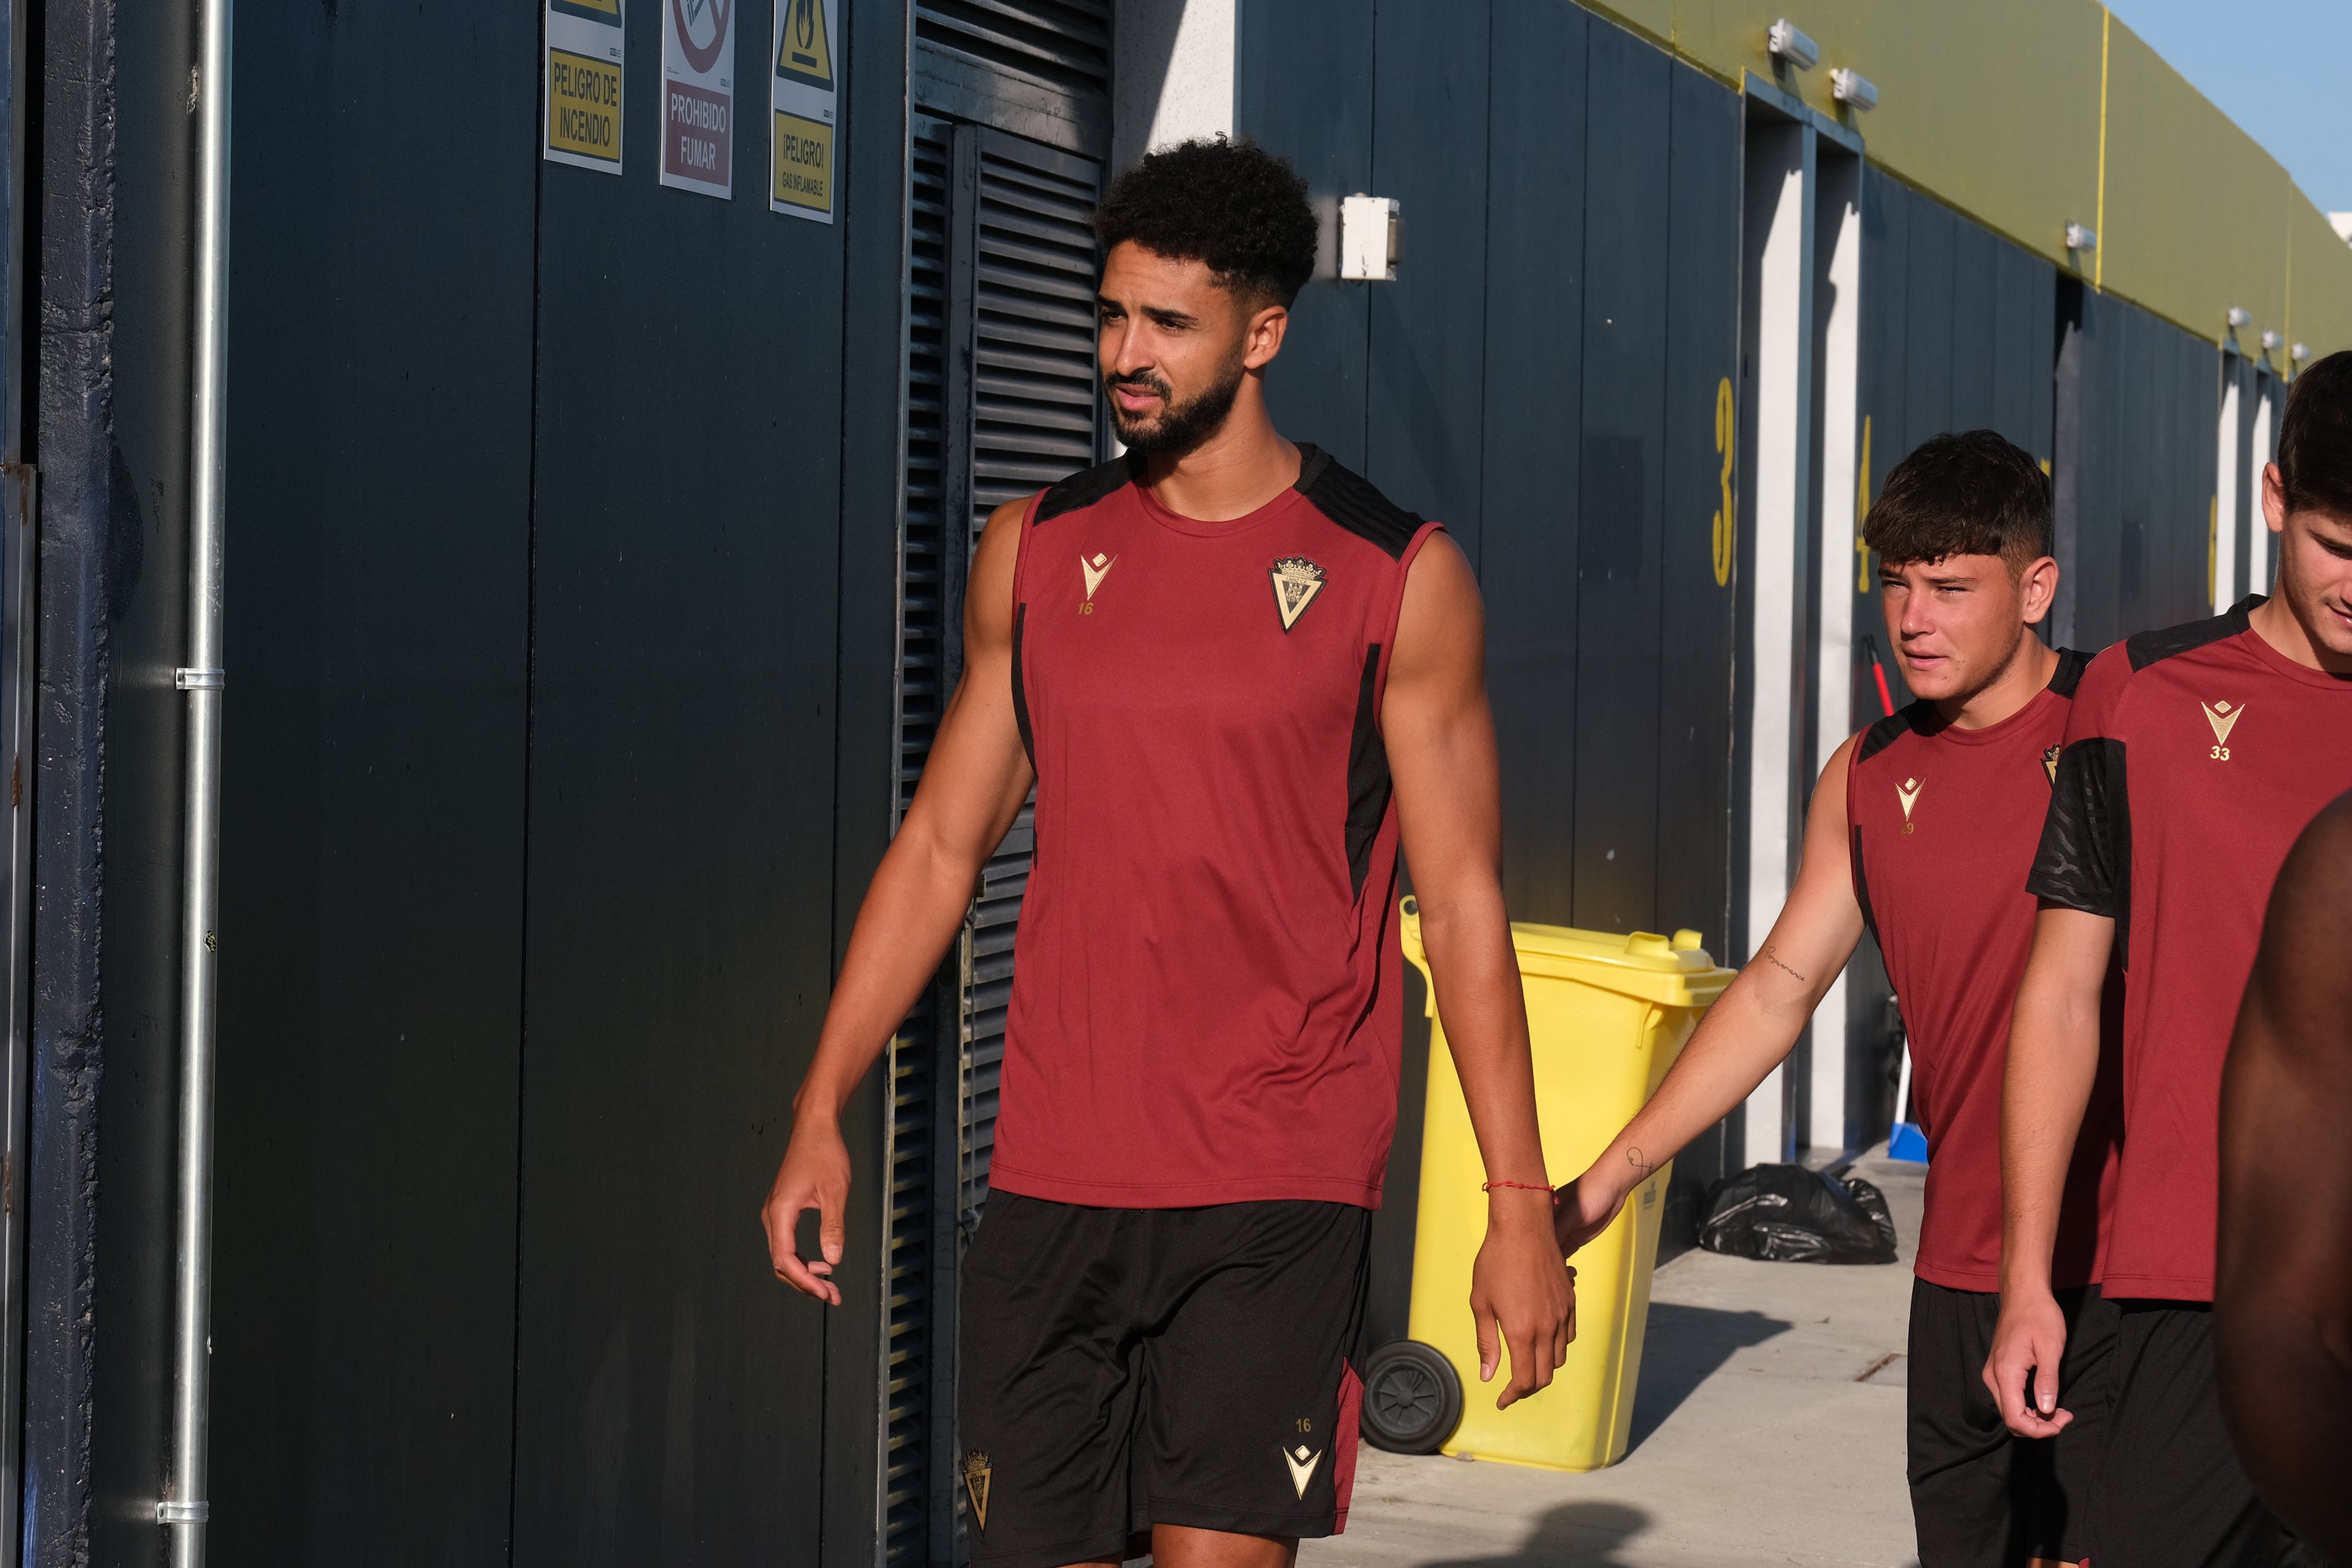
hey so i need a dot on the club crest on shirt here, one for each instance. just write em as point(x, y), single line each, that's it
point(2224, 718)
point(1095, 568)
point(976, 1473)
point(2050, 764)
point(1907, 792)
point(1297, 581)
point(1302, 1467)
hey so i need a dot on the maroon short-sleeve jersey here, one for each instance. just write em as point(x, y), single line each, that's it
point(1207, 992)
point(1944, 822)
point(2193, 757)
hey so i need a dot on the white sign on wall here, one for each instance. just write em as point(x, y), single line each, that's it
point(580, 81)
point(698, 95)
point(805, 130)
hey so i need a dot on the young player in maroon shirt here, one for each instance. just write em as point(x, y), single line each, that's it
point(1922, 829)
point(1237, 675)
point(2193, 757)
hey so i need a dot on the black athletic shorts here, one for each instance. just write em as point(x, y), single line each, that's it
point(1980, 1497)
point(1122, 1368)
point(2174, 1494)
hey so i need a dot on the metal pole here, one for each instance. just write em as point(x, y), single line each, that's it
point(185, 1507)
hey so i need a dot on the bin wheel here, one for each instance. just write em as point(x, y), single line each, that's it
point(1412, 1398)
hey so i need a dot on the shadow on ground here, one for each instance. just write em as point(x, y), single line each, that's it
point(1685, 1346)
point(1574, 1535)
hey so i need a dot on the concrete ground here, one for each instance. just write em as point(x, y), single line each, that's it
point(1767, 1428)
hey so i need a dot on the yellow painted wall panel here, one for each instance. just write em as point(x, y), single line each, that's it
point(1993, 107)
point(1655, 19)
point(2196, 211)
point(2319, 282)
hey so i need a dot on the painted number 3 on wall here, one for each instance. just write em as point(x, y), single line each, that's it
point(1726, 430)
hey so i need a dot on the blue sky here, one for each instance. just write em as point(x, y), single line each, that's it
point(2281, 68)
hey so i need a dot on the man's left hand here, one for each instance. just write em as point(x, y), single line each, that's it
point(1522, 1296)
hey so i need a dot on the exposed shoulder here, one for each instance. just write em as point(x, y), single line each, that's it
point(1440, 589)
point(2314, 887)
point(1001, 535)
point(1830, 789)
point(988, 595)
point(1441, 629)
point(2305, 932)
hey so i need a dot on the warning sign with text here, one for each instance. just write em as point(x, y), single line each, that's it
point(581, 83)
point(801, 105)
point(698, 95)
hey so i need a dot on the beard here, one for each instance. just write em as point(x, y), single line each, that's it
point(1179, 426)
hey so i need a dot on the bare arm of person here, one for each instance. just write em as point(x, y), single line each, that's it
point(1440, 736)
point(1751, 1026)
point(2283, 1288)
point(971, 790)
point(2053, 1058)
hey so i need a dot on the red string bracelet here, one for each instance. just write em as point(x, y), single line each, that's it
point(1523, 1186)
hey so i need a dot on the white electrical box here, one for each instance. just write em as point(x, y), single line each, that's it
point(1367, 238)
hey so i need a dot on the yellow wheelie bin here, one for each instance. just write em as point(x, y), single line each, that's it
point(1608, 1015)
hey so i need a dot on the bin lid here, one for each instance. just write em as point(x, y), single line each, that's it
point(1673, 971)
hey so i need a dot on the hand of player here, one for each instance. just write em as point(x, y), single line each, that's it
point(815, 1176)
point(1522, 1296)
point(1580, 1211)
point(2028, 1344)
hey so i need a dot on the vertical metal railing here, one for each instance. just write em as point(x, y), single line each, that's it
point(184, 1508)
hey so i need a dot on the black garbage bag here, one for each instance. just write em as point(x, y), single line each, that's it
point(1786, 1214)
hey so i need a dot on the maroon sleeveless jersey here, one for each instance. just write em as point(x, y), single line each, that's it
point(1945, 822)
point(1206, 994)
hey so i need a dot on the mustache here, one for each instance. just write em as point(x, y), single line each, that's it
point(1142, 381)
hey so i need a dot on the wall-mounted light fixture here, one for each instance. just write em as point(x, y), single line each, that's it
point(2300, 352)
point(1784, 42)
point(1853, 89)
point(2082, 236)
point(2270, 340)
point(1369, 229)
point(2238, 315)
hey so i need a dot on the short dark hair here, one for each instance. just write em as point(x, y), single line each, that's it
point(1232, 205)
point(1975, 493)
point(2315, 453)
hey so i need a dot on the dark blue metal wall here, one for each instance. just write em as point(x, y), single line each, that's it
point(2139, 409)
point(1958, 333)
point(1541, 375)
point(546, 592)
point(378, 643)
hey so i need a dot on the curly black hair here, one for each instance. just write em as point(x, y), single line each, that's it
point(1974, 493)
point(1231, 205)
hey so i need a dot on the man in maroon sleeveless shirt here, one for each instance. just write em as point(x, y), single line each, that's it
point(1237, 677)
point(2193, 757)
point(1921, 829)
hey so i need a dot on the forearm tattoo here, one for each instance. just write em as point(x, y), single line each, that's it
point(1642, 1166)
point(1774, 960)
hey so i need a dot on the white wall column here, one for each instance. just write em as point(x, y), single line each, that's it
point(1838, 310)
point(2260, 567)
point(2227, 526)
point(1778, 244)
point(1174, 74)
